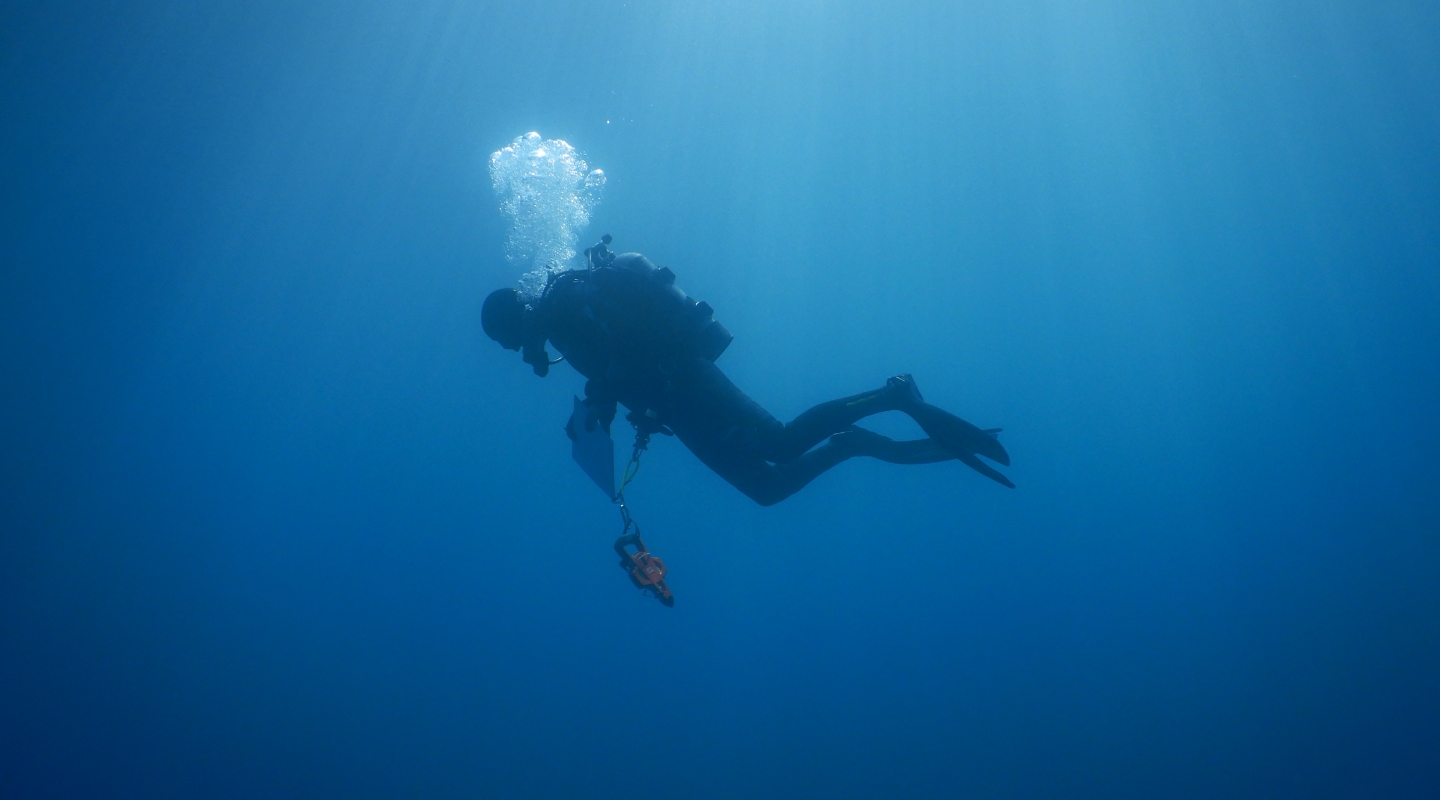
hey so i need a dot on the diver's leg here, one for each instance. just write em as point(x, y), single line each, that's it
point(861, 442)
point(772, 484)
point(768, 484)
point(736, 438)
point(826, 419)
point(899, 394)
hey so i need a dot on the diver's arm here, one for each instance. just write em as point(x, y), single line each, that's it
point(538, 321)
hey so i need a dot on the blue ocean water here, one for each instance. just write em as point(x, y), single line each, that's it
point(279, 521)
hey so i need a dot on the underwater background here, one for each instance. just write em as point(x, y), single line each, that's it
point(277, 520)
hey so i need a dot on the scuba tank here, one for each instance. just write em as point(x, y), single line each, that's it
point(642, 307)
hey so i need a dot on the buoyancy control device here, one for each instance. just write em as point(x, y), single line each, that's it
point(640, 305)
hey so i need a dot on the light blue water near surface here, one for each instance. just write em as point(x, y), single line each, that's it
point(278, 520)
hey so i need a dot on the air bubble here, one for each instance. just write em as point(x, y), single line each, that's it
point(548, 192)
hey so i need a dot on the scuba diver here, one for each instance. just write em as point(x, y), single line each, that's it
point(642, 343)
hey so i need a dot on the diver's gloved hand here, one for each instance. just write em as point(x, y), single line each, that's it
point(601, 412)
point(600, 403)
point(586, 425)
point(595, 414)
point(538, 359)
point(645, 423)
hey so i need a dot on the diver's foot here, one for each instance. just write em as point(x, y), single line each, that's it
point(904, 392)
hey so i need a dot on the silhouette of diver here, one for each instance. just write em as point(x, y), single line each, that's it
point(644, 344)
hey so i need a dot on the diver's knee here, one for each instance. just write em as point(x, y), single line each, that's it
point(768, 499)
point(764, 493)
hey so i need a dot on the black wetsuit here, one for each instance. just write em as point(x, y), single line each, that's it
point(657, 380)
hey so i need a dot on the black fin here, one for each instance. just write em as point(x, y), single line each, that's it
point(981, 467)
point(957, 435)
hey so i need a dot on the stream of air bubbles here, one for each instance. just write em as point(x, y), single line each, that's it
point(548, 192)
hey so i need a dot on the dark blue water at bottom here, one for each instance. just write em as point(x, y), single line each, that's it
point(279, 521)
